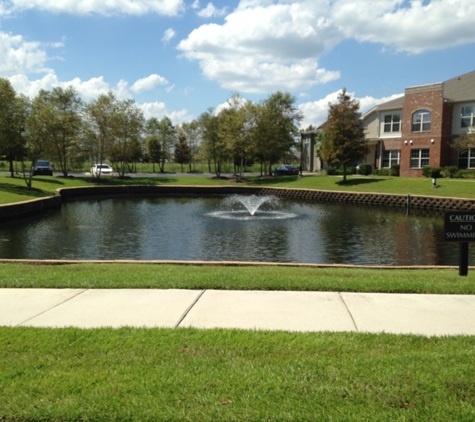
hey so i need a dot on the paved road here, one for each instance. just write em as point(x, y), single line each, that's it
point(430, 315)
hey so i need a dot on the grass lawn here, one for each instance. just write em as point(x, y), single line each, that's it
point(14, 189)
point(134, 374)
point(119, 276)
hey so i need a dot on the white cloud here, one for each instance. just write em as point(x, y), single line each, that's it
point(275, 44)
point(168, 35)
point(159, 110)
point(88, 90)
point(210, 11)
point(418, 27)
point(260, 49)
point(101, 7)
point(316, 112)
point(196, 4)
point(20, 56)
point(148, 83)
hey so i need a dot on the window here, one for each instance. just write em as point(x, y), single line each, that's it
point(419, 158)
point(467, 116)
point(421, 121)
point(392, 122)
point(467, 159)
point(390, 158)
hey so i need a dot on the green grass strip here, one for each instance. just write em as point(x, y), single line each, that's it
point(164, 276)
point(134, 374)
point(14, 189)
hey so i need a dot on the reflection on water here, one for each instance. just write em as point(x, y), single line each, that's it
point(191, 229)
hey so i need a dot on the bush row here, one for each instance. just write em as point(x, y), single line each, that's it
point(448, 172)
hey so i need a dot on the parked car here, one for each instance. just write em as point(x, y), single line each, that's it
point(42, 167)
point(98, 170)
point(285, 169)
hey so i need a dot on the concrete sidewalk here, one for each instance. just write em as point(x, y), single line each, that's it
point(431, 315)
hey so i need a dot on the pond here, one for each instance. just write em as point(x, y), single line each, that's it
point(216, 229)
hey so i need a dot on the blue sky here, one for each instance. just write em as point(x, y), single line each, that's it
point(180, 57)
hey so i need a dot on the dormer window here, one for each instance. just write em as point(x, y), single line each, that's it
point(421, 121)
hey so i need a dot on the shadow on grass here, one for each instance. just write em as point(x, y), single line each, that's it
point(130, 181)
point(358, 181)
point(22, 190)
point(269, 181)
point(53, 181)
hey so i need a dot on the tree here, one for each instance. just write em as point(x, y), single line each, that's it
point(463, 143)
point(166, 137)
point(128, 127)
point(213, 147)
point(344, 142)
point(61, 111)
point(152, 141)
point(192, 132)
point(182, 152)
point(276, 128)
point(99, 126)
point(235, 125)
point(13, 114)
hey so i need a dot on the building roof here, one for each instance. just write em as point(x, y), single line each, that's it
point(460, 88)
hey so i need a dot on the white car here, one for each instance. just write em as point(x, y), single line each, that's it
point(98, 170)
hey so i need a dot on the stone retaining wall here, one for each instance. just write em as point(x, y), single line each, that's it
point(11, 211)
point(32, 207)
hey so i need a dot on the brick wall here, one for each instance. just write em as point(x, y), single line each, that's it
point(429, 97)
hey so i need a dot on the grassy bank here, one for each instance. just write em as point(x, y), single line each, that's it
point(229, 375)
point(144, 276)
point(14, 189)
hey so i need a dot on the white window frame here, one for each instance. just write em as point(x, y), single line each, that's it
point(420, 119)
point(467, 116)
point(394, 157)
point(419, 158)
point(470, 158)
point(391, 123)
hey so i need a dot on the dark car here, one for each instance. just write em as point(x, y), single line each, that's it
point(286, 169)
point(42, 167)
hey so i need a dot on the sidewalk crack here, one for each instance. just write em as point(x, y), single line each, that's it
point(349, 312)
point(180, 320)
point(49, 309)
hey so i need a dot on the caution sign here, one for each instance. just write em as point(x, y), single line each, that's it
point(460, 226)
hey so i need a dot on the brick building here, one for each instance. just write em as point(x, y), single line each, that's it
point(415, 130)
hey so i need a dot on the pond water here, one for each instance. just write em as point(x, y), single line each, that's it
point(213, 229)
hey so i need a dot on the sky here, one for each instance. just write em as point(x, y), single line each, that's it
point(178, 58)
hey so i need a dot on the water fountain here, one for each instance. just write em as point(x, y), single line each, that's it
point(252, 207)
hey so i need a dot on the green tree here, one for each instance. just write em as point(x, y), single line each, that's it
point(152, 141)
point(99, 120)
point(62, 122)
point(182, 152)
point(128, 130)
point(276, 128)
point(235, 129)
point(13, 114)
point(344, 143)
point(464, 142)
point(213, 147)
point(192, 132)
point(167, 137)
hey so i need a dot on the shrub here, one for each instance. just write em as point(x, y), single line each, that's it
point(449, 171)
point(364, 169)
point(427, 171)
point(381, 172)
point(394, 170)
point(465, 174)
